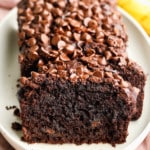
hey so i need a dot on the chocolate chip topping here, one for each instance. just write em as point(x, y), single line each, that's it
point(73, 40)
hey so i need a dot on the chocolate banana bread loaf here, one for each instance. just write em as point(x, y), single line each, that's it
point(77, 83)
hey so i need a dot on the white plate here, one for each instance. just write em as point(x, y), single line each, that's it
point(138, 49)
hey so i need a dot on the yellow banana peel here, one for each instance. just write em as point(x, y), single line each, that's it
point(139, 9)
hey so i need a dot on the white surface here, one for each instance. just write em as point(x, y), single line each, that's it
point(138, 49)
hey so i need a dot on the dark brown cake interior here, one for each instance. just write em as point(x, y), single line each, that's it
point(61, 112)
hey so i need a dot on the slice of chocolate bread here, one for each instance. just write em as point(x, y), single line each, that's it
point(128, 69)
point(133, 73)
point(54, 110)
point(73, 88)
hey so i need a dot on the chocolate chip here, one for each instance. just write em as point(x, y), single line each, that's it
point(45, 13)
point(21, 58)
point(22, 35)
point(73, 77)
point(114, 41)
point(116, 76)
point(31, 4)
point(124, 84)
point(61, 3)
point(44, 38)
point(20, 11)
point(108, 74)
point(44, 68)
point(52, 71)
point(79, 70)
point(48, 6)
point(99, 34)
point(27, 29)
point(84, 76)
point(23, 80)
point(64, 57)
point(34, 48)
point(57, 12)
point(45, 52)
point(90, 52)
point(37, 10)
point(76, 36)
point(74, 23)
point(33, 55)
point(61, 44)
point(69, 33)
point(34, 74)
point(40, 63)
point(86, 37)
point(31, 42)
point(80, 44)
point(86, 21)
point(99, 74)
point(102, 61)
point(55, 40)
point(69, 49)
point(108, 55)
point(45, 29)
point(92, 24)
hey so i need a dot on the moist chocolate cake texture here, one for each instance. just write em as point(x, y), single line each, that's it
point(77, 83)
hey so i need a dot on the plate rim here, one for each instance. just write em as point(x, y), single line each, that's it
point(136, 142)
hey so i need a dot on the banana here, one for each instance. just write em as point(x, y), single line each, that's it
point(139, 9)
